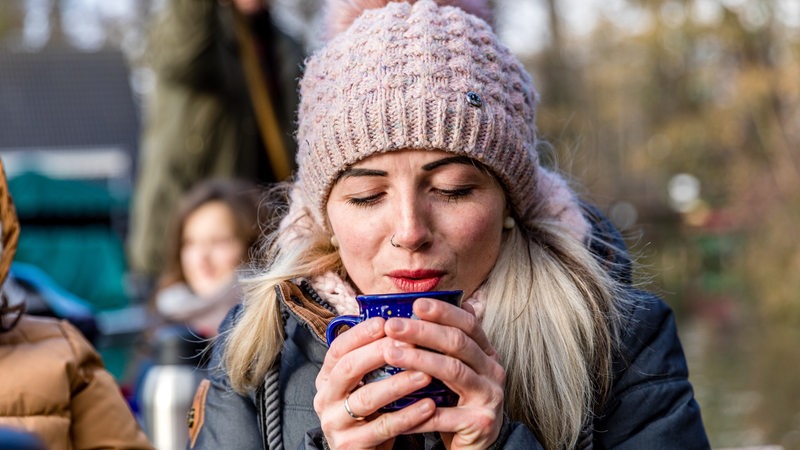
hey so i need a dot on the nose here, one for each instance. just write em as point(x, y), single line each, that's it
point(412, 225)
point(197, 253)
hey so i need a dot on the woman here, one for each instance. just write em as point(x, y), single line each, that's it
point(417, 171)
point(213, 231)
point(53, 383)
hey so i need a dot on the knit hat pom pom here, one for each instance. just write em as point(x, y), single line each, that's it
point(340, 14)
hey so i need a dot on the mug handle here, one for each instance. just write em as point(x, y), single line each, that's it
point(333, 327)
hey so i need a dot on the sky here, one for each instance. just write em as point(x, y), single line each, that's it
point(521, 23)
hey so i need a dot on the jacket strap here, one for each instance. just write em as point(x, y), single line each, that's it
point(269, 408)
point(262, 103)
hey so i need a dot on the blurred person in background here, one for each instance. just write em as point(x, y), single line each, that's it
point(213, 232)
point(418, 171)
point(52, 381)
point(222, 106)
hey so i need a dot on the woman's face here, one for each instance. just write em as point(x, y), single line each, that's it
point(210, 250)
point(444, 215)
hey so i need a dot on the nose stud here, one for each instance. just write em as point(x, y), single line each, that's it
point(391, 241)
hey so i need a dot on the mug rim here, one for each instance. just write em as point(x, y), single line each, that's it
point(436, 295)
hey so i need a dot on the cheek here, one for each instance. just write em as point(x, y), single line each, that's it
point(478, 241)
point(358, 244)
point(360, 237)
point(355, 230)
point(483, 224)
point(229, 256)
point(189, 256)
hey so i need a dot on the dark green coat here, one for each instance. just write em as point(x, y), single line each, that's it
point(198, 117)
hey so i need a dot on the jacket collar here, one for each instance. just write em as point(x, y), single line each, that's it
point(301, 301)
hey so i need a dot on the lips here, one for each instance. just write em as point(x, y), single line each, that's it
point(416, 280)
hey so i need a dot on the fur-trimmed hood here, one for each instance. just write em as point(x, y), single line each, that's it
point(9, 227)
point(9, 224)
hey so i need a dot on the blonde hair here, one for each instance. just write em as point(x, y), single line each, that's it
point(300, 248)
point(551, 314)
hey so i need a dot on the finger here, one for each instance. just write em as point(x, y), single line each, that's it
point(358, 336)
point(373, 396)
point(446, 314)
point(373, 433)
point(390, 425)
point(352, 355)
point(361, 334)
point(344, 374)
point(458, 376)
point(445, 339)
point(468, 308)
point(473, 426)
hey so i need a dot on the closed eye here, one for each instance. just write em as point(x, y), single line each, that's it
point(455, 194)
point(365, 201)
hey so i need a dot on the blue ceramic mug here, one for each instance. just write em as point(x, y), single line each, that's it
point(398, 305)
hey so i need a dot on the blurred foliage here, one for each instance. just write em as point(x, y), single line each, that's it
point(718, 99)
point(5, 21)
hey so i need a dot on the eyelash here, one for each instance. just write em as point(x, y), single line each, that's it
point(454, 195)
point(363, 202)
point(450, 195)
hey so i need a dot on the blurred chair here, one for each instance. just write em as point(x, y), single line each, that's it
point(71, 253)
point(69, 231)
point(46, 298)
point(16, 439)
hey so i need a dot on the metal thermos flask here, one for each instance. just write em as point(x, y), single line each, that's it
point(169, 385)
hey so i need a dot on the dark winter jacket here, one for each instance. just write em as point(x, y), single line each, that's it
point(651, 404)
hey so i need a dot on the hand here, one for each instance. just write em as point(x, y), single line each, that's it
point(354, 353)
point(467, 364)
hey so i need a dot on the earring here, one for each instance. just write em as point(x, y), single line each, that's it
point(509, 223)
point(334, 241)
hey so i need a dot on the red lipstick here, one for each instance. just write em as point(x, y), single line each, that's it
point(416, 280)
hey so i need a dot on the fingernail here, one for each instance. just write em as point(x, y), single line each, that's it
point(374, 327)
point(418, 377)
point(397, 325)
point(424, 305)
point(425, 407)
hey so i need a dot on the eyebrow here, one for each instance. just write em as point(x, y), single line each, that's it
point(361, 172)
point(450, 160)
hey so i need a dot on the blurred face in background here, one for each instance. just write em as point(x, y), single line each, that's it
point(211, 251)
point(250, 6)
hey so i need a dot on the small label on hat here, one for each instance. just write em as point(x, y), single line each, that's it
point(474, 99)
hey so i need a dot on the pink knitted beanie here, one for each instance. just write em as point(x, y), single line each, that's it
point(423, 76)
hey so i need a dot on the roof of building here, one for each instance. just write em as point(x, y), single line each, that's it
point(66, 98)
